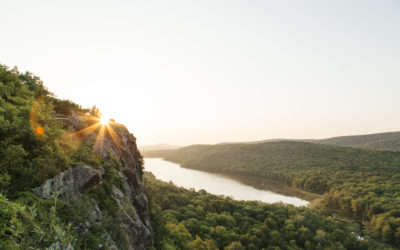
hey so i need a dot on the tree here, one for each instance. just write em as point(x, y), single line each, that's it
point(236, 245)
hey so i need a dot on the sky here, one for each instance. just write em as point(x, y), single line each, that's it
point(188, 72)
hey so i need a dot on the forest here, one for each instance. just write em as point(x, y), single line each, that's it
point(186, 219)
point(359, 182)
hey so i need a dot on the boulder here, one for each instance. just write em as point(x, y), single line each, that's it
point(70, 183)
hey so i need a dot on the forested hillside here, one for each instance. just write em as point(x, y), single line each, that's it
point(185, 219)
point(360, 182)
point(389, 141)
point(383, 141)
point(60, 171)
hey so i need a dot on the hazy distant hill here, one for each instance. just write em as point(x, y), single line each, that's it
point(389, 141)
point(158, 147)
point(269, 140)
point(382, 141)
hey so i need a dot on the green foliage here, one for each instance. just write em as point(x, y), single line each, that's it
point(185, 219)
point(64, 107)
point(31, 223)
point(26, 157)
point(360, 182)
point(35, 145)
point(29, 156)
point(85, 155)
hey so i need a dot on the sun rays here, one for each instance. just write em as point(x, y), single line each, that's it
point(95, 129)
point(78, 127)
point(104, 127)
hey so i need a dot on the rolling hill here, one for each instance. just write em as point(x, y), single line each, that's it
point(388, 141)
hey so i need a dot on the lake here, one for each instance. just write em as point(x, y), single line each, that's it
point(214, 183)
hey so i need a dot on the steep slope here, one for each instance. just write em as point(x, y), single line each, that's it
point(66, 180)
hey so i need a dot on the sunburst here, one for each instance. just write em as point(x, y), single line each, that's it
point(103, 126)
point(104, 120)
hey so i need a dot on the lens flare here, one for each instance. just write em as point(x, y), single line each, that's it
point(37, 125)
point(39, 131)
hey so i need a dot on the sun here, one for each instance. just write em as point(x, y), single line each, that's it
point(104, 120)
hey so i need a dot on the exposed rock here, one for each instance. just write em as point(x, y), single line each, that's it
point(118, 195)
point(109, 241)
point(82, 228)
point(129, 220)
point(70, 183)
point(132, 215)
point(95, 214)
point(125, 185)
point(58, 246)
point(123, 145)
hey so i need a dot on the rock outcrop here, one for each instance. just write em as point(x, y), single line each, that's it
point(70, 183)
point(125, 193)
point(122, 144)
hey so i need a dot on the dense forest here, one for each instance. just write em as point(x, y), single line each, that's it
point(186, 219)
point(359, 182)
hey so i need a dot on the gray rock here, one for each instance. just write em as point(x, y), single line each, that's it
point(70, 183)
point(126, 189)
point(117, 193)
point(94, 212)
point(123, 145)
point(140, 233)
point(58, 246)
point(133, 212)
point(109, 241)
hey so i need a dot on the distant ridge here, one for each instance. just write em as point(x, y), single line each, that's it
point(269, 140)
point(388, 141)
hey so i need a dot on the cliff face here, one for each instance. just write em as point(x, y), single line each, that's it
point(122, 144)
point(112, 197)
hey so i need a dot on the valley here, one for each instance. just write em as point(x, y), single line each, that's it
point(361, 183)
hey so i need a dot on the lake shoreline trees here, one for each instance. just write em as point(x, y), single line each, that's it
point(358, 182)
point(186, 219)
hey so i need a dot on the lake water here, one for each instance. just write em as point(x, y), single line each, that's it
point(214, 183)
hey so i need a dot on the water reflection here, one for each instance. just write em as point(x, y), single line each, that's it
point(213, 183)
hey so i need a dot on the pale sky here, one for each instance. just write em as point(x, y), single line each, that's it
point(186, 72)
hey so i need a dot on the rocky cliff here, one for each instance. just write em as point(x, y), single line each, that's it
point(111, 199)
